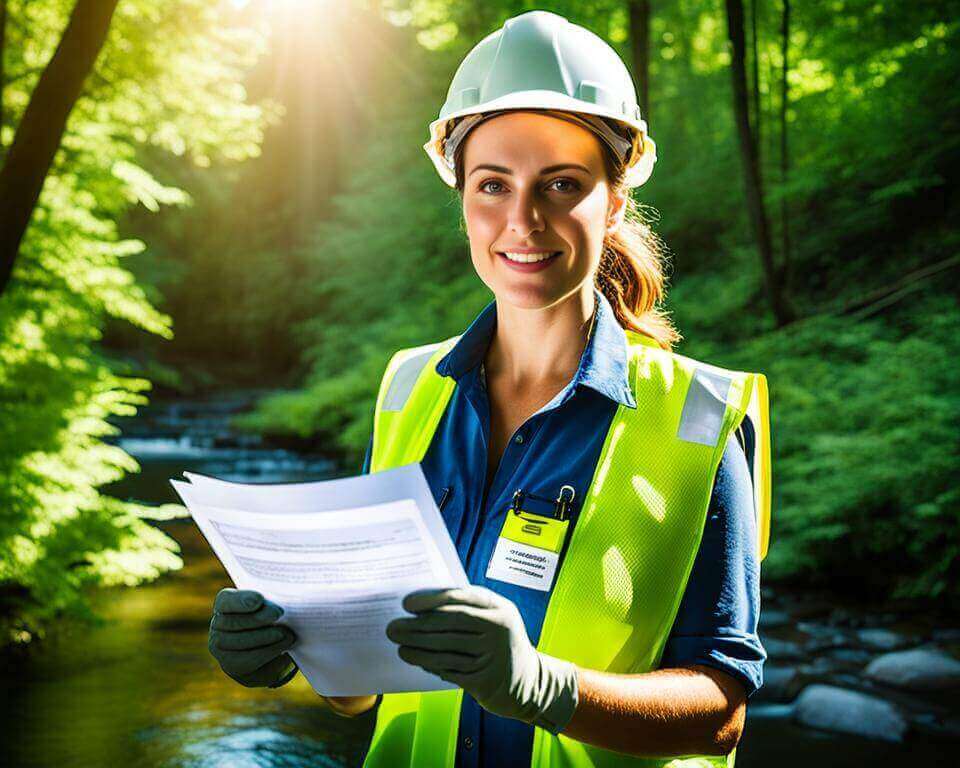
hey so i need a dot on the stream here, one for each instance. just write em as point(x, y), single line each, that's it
point(142, 689)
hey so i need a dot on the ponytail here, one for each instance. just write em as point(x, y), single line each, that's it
point(631, 276)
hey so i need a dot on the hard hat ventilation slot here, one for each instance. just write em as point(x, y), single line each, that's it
point(597, 94)
point(469, 97)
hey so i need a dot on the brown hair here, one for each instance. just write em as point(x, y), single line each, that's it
point(631, 274)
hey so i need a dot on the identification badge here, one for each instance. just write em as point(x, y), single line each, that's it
point(528, 549)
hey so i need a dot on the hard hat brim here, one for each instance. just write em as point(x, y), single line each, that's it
point(542, 99)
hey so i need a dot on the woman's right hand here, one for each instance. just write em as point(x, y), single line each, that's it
point(247, 643)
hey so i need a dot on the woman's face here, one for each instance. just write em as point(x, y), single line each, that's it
point(536, 183)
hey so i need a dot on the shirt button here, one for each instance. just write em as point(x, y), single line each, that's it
point(468, 742)
point(518, 439)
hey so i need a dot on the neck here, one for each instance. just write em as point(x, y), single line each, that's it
point(540, 346)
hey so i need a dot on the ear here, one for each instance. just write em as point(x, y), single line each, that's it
point(616, 211)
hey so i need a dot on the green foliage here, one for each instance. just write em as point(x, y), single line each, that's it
point(168, 77)
point(865, 448)
point(865, 405)
point(370, 256)
point(394, 224)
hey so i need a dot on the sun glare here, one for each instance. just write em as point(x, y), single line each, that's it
point(279, 5)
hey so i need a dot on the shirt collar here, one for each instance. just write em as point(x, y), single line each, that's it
point(603, 364)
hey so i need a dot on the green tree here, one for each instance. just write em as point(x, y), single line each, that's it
point(168, 77)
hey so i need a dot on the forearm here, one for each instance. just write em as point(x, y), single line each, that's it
point(665, 713)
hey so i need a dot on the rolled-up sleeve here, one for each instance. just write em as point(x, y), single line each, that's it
point(716, 624)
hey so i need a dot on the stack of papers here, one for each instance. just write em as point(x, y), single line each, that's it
point(338, 556)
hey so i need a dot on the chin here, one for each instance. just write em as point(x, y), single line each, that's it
point(529, 296)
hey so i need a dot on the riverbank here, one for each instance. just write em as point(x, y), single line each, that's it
point(887, 671)
point(143, 688)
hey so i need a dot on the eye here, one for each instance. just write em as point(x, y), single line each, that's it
point(489, 181)
point(568, 186)
point(573, 186)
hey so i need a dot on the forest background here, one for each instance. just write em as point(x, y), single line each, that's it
point(198, 195)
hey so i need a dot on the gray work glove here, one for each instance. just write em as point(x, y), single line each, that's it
point(475, 638)
point(245, 641)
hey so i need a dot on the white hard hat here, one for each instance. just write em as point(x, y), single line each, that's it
point(539, 60)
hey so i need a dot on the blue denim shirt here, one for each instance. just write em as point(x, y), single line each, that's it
point(560, 445)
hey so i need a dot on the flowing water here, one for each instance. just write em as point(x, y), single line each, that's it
point(142, 689)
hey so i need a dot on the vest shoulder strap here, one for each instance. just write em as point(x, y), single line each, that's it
point(402, 373)
point(711, 389)
point(410, 402)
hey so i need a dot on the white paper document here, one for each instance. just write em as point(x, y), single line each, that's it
point(338, 556)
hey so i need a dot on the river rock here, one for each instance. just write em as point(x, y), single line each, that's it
point(883, 640)
point(814, 628)
point(921, 669)
point(830, 708)
point(936, 725)
point(772, 618)
point(780, 684)
point(782, 650)
point(849, 657)
point(826, 641)
point(950, 635)
point(819, 668)
point(842, 617)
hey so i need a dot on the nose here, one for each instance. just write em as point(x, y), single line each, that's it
point(524, 216)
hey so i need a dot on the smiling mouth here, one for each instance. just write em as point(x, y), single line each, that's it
point(528, 258)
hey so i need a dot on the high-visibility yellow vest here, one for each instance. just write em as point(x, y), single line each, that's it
point(619, 586)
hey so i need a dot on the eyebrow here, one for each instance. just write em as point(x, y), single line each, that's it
point(543, 171)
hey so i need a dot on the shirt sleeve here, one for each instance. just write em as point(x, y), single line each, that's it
point(716, 624)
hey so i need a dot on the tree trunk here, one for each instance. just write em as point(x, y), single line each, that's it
point(3, 77)
point(681, 107)
point(639, 11)
point(784, 155)
point(751, 170)
point(40, 131)
point(757, 110)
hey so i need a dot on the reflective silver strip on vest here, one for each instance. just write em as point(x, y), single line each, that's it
point(702, 417)
point(403, 380)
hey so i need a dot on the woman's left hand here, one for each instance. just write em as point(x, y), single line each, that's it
point(475, 638)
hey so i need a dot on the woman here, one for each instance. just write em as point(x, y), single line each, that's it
point(634, 640)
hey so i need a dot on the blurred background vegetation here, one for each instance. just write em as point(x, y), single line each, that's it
point(239, 197)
